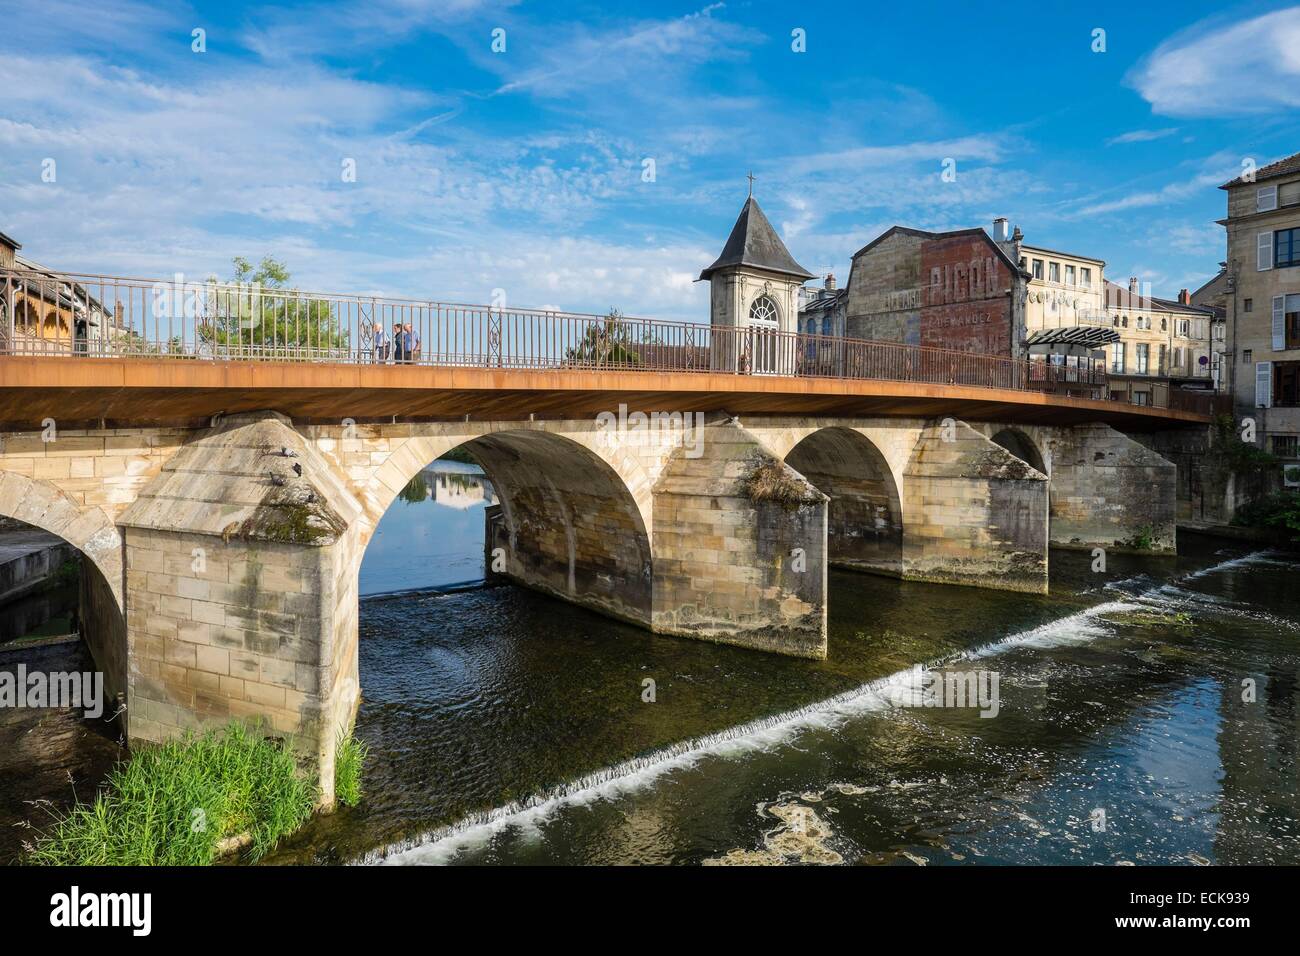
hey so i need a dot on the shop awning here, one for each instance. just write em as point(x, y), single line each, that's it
point(1083, 336)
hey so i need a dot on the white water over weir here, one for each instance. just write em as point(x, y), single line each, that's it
point(882, 694)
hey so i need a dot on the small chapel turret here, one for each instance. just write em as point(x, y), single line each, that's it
point(755, 281)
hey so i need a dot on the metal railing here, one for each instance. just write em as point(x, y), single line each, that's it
point(73, 314)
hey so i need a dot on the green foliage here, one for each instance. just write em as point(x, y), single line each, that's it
point(1144, 539)
point(460, 454)
point(172, 804)
point(608, 343)
point(1281, 511)
point(1234, 455)
point(349, 758)
point(257, 310)
point(416, 490)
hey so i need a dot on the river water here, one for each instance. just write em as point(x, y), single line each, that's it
point(1146, 714)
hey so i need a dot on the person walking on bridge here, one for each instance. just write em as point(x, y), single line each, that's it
point(380, 345)
point(399, 349)
point(410, 343)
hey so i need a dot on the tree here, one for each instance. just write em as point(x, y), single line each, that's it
point(256, 310)
point(605, 343)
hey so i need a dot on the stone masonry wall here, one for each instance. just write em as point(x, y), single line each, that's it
point(1109, 490)
point(729, 569)
point(973, 513)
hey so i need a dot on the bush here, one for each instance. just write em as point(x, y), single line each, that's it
point(172, 804)
point(348, 760)
point(1281, 510)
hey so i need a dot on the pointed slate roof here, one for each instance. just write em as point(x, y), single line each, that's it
point(753, 242)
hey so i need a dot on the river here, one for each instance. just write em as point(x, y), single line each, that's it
point(1146, 714)
point(507, 727)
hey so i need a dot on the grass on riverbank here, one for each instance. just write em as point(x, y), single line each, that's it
point(173, 804)
point(348, 759)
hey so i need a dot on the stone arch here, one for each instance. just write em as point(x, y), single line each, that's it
point(572, 524)
point(865, 514)
point(90, 530)
point(1022, 446)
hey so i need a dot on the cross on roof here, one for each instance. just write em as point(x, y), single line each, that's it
point(750, 177)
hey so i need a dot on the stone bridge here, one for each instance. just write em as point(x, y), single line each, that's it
point(223, 509)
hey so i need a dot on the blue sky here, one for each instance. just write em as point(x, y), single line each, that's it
point(523, 170)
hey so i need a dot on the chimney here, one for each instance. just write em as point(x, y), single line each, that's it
point(117, 313)
point(1132, 285)
point(1184, 297)
point(830, 282)
point(1000, 229)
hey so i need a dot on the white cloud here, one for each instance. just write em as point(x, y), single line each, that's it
point(1240, 68)
point(1141, 136)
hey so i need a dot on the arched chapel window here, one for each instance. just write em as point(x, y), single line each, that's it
point(763, 310)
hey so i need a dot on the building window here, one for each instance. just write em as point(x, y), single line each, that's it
point(1124, 321)
point(1288, 194)
point(1069, 275)
point(763, 310)
point(1286, 383)
point(1286, 248)
point(1286, 446)
point(1085, 278)
point(1291, 320)
point(1164, 325)
point(1249, 305)
point(1038, 269)
point(1247, 356)
point(1163, 368)
point(1141, 398)
point(1184, 327)
point(1053, 272)
point(1143, 350)
point(1178, 357)
point(1117, 358)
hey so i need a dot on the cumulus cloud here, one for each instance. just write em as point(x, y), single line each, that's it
point(1240, 68)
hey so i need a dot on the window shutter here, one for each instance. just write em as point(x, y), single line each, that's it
point(1263, 384)
point(1288, 194)
point(1264, 246)
point(1265, 198)
point(1279, 324)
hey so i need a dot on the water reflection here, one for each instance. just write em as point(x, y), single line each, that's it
point(432, 535)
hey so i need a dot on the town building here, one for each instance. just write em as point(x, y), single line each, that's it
point(1214, 296)
point(42, 313)
point(1260, 288)
point(957, 290)
point(1164, 345)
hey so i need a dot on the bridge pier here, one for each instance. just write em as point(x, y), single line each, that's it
point(733, 566)
point(1110, 491)
point(975, 514)
point(241, 591)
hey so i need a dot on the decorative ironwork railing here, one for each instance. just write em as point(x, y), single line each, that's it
point(70, 314)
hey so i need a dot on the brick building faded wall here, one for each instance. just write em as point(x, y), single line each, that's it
point(966, 303)
point(943, 290)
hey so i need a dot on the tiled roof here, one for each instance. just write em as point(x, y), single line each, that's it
point(1283, 166)
point(753, 242)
